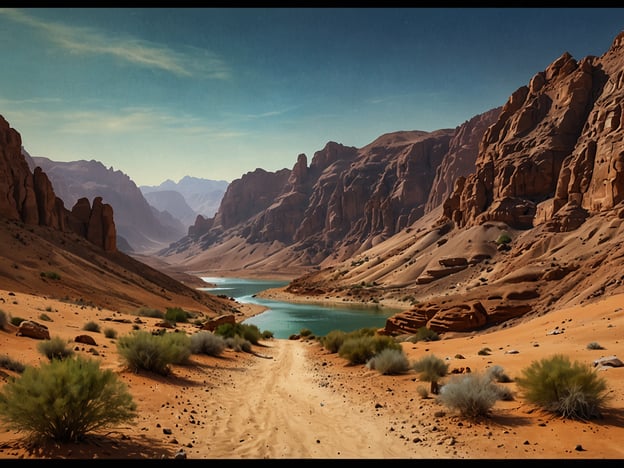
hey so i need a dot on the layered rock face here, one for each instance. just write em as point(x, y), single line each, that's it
point(346, 200)
point(29, 197)
point(461, 157)
point(555, 153)
point(143, 227)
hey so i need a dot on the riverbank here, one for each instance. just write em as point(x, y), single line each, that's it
point(280, 294)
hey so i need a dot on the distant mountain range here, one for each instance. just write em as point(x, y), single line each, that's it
point(145, 223)
point(198, 197)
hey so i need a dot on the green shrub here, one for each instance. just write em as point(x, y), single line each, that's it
point(431, 368)
point(176, 314)
point(180, 345)
point(16, 321)
point(45, 318)
point(333, 340)
point(154, 353)
point(64, 400)
point(389, 361)
point(305, 332)
point(572, 390)
point(426, 334)
point(484, 352)
point(110, 333)
point(55, 348)
point(149, 312)
point(249, 332)
point(208, 343)
point(92, 326)
point(238, 343)
point(503, 238)
point(472, 394)
point(267, 335)
point(594, 345)
point(11, 364)
point(359, 348)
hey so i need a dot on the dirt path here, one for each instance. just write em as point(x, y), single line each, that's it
point(287, 414)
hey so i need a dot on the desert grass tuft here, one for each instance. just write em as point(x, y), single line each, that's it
point(571, 389)
point(55, 348)
point(389, 361)
point(11, 364)
point(205, 342)
point(431, 368)
point(63, 400)
point(91, 326)
point(473, 395)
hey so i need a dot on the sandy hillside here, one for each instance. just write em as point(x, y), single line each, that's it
point(295, 400)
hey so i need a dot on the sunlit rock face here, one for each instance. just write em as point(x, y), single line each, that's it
point(29, 197)
point(555, 155)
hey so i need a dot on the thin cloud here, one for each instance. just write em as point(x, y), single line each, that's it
point(88, 41)
point(128, 120)
point(36, 101)
point(262, 115)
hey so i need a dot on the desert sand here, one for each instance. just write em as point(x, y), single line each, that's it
point(295, 400)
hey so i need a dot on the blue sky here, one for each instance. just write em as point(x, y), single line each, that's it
point(218, 92)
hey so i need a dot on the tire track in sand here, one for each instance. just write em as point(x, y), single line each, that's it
point(274, 409)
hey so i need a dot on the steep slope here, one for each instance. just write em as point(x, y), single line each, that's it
point(345, 201)
point(537, 226)
point(46, 249)
point(136, 222)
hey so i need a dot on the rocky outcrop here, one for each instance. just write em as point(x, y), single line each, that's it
point(214, 323)
point(460, 159)
point(142, 226)
point(30, 197)
point(32, 329)
point(536, 223)
point(347, 199)
point(557, 143)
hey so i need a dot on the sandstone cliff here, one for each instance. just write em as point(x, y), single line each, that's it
point(344, 202)
point(536, 225)
point(29, 197)
point(39, 236)
point(137, 222)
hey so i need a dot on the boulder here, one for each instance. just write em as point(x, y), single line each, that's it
point(33, 329)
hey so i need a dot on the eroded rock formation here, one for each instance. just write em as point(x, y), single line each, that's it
point(29, 197)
